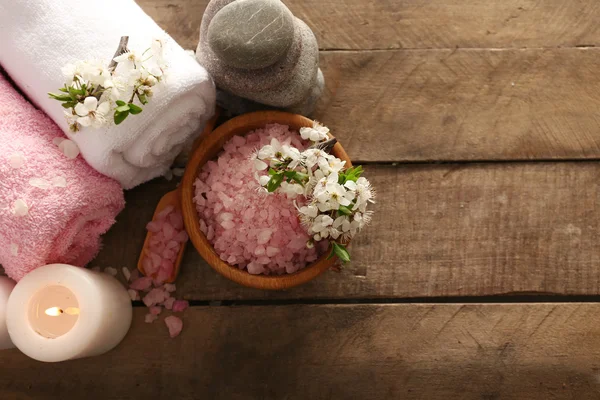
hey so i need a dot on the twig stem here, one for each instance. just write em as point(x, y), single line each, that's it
point(120, 50)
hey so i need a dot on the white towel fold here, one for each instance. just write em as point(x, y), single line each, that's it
point(38, 37)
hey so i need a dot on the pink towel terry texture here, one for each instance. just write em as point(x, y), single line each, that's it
point(73, 207)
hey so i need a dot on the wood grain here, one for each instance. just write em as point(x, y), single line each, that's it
point(393, 24)
point(433, 352)
point(438, 230)
point(453, 105)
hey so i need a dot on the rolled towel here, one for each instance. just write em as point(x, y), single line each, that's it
point(39, 37)
point(52, 209)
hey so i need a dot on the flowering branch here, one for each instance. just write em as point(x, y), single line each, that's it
point(120, 50)
point(337, 197)
point(93, 91)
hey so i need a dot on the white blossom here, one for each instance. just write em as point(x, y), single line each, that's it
point(316, 133)
point(90, 113)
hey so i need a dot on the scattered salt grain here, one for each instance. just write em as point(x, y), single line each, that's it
point(141, 283)
point(155, 310)
point(155, 296)
point(14, 249)
point(150, 318)
point(170, 287)
point(168, 303)
point(59, 181)
point(174, 324)
point(169, 175)
point(126, 273)
point(110, 271)
point(39, 183)
point(20, 208)
point(69, 149)
point(134, 295)
point(180, 305)
point(17, 160)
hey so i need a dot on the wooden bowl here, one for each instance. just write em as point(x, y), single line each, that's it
point(210, 148)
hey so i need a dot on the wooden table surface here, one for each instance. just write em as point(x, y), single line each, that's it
point(479, 124)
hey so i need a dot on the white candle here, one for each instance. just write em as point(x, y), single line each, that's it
point(59, 312)
point(6, 286)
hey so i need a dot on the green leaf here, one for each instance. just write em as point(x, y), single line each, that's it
point(352, 174)
point(272, 172)
point(341, 252)
point(59, 97)
point(134, 109)
point(343, 210)
point(69, 104)
point(64, 90)
point(120, 102)
point(122, 109)
point(120, 117)
point(274, 182)
point(143, 99)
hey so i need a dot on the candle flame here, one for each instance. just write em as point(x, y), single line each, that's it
point(53, 311)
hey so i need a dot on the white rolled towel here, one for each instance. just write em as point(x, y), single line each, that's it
point(39, 37)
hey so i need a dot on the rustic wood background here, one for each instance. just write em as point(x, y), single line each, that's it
point(478, 122)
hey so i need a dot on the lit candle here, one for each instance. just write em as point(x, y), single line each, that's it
point(6, 286)
point(59, 312)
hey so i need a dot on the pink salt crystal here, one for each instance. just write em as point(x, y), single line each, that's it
point(259, 251)
point(174, 324)
point(255, 268)
point(170, 287)
point(150, 318)
point(181, 237)
point(238, 140)
point(203, 227)
point(180, 305)
point(141, 283)
point(228, 224)
point(211, 233)
point(153, 226)
point(163, 214)
point(168, 254)
point(154, 297)
point(176, 220)
point(133, 295)
point(172, 245)
point(264, 236)
point(168, 231)
point(263, 260)
point(155, 310)
point(271, 251)
point(168, 303)
point(147, 265)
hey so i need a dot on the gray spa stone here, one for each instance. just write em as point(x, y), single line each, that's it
point(301, 79)
point(308, 105)
point(251, 34)
point(291, 82)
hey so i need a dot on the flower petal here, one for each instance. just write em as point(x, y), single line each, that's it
point(91, 103)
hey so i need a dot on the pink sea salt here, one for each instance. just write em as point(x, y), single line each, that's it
point(174, 324)
point(164, 244)
point(254, 231)
point(141, 283)
point(180, 305)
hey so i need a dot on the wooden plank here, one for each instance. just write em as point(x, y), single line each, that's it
point(450, 105)
point(434, 352)
point(438, 230)
point(393, 24)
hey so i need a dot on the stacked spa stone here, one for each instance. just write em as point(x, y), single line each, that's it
point(259, 54)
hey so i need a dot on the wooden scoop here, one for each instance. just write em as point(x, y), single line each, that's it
point(173, 199)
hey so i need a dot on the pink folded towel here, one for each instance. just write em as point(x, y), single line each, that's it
point(52, 209)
